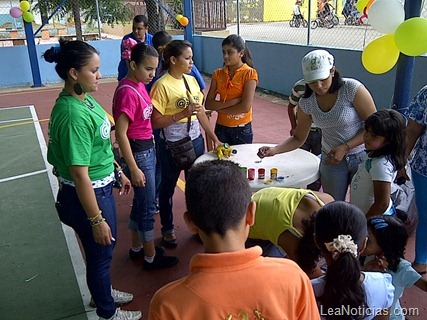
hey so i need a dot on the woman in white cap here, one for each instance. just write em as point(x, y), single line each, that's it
point(338, 106)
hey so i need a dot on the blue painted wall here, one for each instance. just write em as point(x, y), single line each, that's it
point(16, 71)
point(278, 65)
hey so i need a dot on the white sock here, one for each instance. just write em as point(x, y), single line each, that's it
point(149, 259)
point(136, 249)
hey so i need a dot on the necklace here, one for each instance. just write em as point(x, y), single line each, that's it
point(88, 103)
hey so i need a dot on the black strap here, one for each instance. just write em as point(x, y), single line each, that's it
point(189, 118)
point(188, 89)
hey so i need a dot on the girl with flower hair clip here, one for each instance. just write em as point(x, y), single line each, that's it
point(386, 245)
point(345, 292)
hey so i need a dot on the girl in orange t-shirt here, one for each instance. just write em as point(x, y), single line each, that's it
point(232, 91)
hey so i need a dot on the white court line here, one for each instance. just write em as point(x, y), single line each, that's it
point(22, 176)
point(70, 237)
point(17, 107)
point(17, 120)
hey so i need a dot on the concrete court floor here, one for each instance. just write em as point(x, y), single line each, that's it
point(270, 126)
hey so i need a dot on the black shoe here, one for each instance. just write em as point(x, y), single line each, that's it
point(170, 241)
point(140, 254)
point(161, 262)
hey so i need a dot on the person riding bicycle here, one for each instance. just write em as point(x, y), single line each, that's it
point(297, 11)
point(327, 9)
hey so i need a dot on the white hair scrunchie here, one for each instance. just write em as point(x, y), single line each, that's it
point(344, 243)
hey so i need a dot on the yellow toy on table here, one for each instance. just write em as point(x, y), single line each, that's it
point(224, 151)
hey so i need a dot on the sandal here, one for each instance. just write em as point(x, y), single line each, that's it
point(169, 240)
point(419, 272)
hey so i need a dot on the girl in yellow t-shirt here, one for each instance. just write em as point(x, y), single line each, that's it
point(232, 91)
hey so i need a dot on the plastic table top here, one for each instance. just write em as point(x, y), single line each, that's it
point(298, 167)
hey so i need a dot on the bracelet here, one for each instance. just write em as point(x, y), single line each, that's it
point(97, 223)
point(119, 173)
point(91, 219)
point(348, 146)
point(173, 118)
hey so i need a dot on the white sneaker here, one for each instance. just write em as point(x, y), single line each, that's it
point(125, 315)
point(120, 298)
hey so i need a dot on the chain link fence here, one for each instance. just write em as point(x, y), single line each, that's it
point(271, 20)
point(267, 20)
point(86, 19)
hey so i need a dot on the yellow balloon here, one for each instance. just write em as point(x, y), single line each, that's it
point(178, 17)
point(380, 55)
point(411, 36)
point(28, 17)
point(361, 4)
point(24, 5)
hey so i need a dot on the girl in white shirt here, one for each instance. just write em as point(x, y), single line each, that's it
point(345, 292)
point(384, 139)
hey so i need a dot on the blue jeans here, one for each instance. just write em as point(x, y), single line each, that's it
point(98, 257)
point(335, 178)
point(234, 135)
point(156, 133)
point(144, 198)
point(420, 185)
point(269, 249)
point(313, 144)
point(170, 177)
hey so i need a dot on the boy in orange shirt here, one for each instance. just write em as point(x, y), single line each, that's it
point(229, 281)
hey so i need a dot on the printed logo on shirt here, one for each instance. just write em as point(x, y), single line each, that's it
point(236, 116)
point(105, 129)
point(146, 115)
point(243, 315)
point(182, 103)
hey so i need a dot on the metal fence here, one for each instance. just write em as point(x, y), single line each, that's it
point(270, 20)
point(267, 20)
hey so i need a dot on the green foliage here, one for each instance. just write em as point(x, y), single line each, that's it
point(111, 11)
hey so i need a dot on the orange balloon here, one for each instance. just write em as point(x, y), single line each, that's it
point(184, 21)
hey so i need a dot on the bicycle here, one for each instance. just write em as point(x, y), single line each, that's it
point(323, 21)
point(352, 19)
point(296, 21)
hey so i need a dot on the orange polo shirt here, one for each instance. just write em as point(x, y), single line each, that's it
point(228, 89)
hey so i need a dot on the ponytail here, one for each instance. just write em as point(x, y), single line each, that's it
point(340, 232)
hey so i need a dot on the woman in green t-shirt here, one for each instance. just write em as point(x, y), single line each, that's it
point(80, 151)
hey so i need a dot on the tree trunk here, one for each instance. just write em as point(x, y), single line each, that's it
point(77, 22)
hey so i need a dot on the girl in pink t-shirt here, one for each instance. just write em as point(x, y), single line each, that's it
point(132, 109)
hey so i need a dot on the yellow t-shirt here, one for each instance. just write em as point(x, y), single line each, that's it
point(228, 89)
point(275, 209)
point(169, 95)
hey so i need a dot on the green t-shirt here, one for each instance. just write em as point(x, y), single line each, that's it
point(79, 134)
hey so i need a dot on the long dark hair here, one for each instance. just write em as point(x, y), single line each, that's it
point(174, 49)
point(337, 83)
point(238, 43)
point(69, 54)
point(342, 280)
point(308, 254)
point(391, 125)
point(391, 236)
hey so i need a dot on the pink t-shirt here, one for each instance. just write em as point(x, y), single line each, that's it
point(133, 100)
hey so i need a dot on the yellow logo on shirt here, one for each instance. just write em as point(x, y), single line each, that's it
point(245, 316)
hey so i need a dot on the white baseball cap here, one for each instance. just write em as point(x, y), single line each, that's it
point(317, 65)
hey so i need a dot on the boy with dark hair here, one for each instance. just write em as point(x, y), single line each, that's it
point(139, 34)
point(229, 281)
